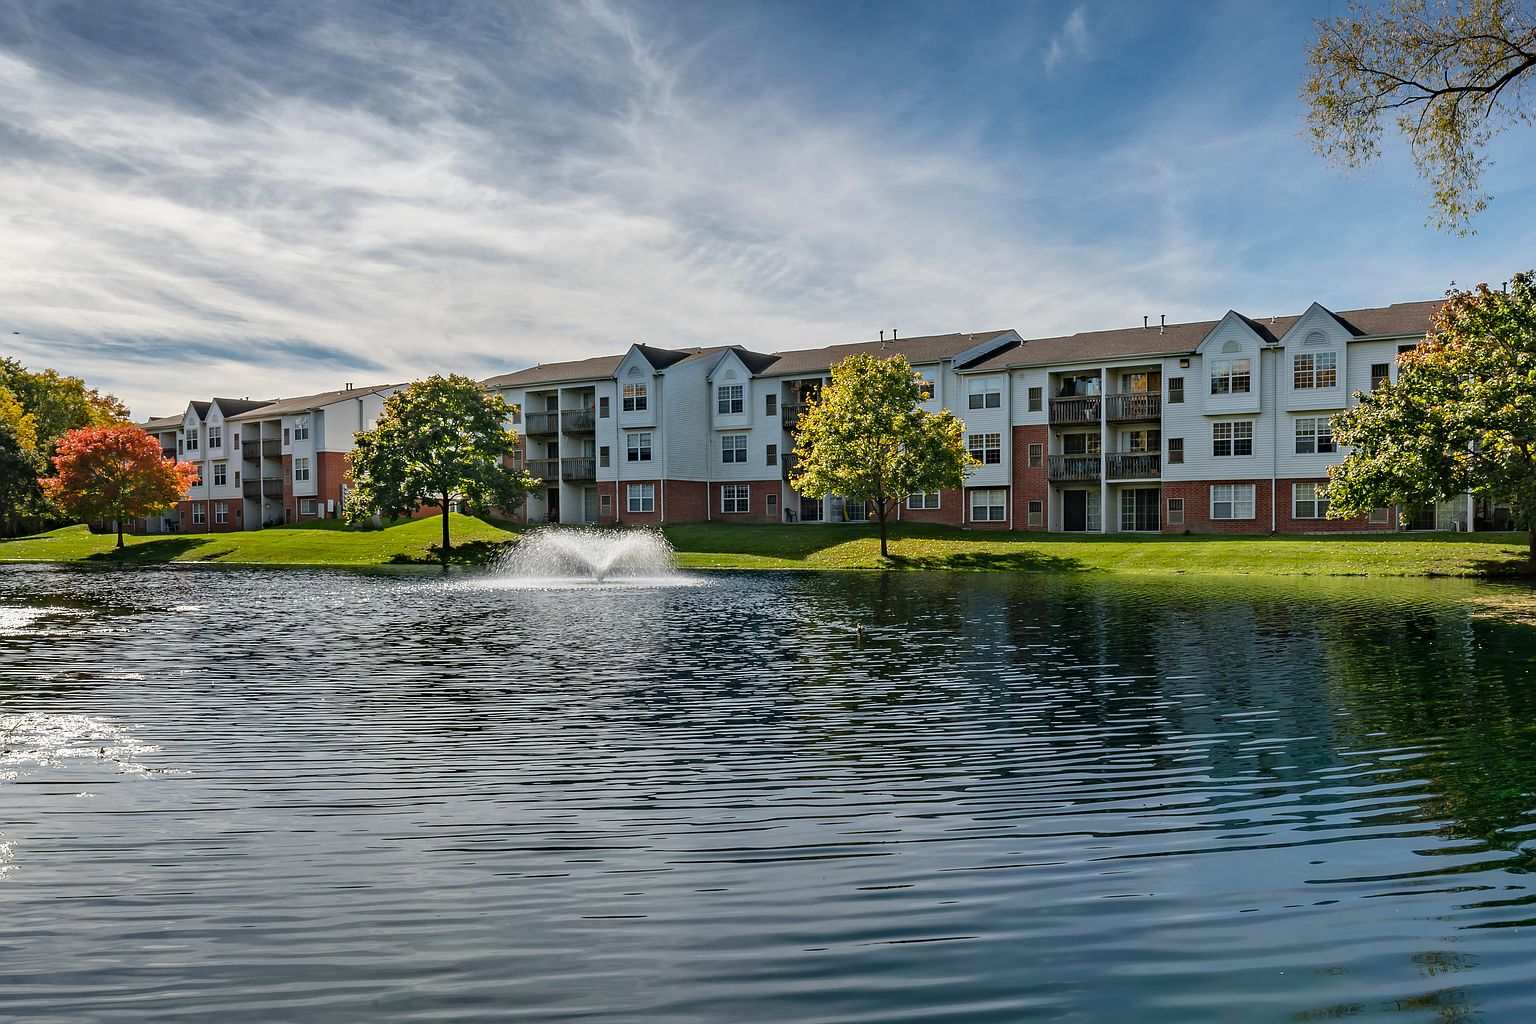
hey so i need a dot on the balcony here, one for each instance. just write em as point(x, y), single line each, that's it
point(789, 463)
point(1134, 405)
point(169, 453)
point(250, 451)
point(269, 488)
point(544, 469)
point(578, 469)
point(1077, 409)
point(1134, 465)
point(271, 448)
point(789, 415)
point(1069, 468)
point(578, 421)
point(542, 422)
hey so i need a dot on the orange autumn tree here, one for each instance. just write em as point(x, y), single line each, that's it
point(115, 473)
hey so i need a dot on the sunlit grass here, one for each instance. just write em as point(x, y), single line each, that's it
point(833, 546)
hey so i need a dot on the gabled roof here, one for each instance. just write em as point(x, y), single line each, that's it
point(160, 423)
point(201, 408)
point(1174, 339)
point(924, 349)
point(305, 403)
point(232, 407)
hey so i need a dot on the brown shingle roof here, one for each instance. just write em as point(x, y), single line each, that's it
point(161, 423)
point(1400, 318)
point(304, 403)
point(924, 349)
point(551, 373)
point(232, 407)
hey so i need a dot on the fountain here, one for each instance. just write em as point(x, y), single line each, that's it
point(562, 555)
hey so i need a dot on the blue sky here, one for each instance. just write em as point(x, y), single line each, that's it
point(202, 199)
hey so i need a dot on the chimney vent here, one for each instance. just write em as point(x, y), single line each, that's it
point(893, 334)
point(1163, 326)
point(349, 385)
point(882, 337)
point(1144, 323)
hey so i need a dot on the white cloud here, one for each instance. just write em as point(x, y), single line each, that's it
point(1070, 42)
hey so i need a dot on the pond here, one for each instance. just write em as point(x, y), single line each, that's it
point(247, 796)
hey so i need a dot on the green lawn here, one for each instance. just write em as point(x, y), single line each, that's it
point(833, 546)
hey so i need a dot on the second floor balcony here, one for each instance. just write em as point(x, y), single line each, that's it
point(544, 469)
point(584, 468)
point(578, 421)
point(1134, 405)
point(1069, 468)
point(1134, 465)
point(542, 423)
point(1075, 409)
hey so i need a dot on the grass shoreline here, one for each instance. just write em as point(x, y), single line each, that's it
point(833, 547)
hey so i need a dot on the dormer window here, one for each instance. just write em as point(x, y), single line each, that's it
point(192, 439)
point(635, 398)
point(984, 393)
point(730, 399)
point(1315, 370)
point(1231, 376)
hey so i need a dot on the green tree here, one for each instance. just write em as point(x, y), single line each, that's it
point(20, 463)
point(116, 472)
point(868, 438)
point(58, 403)
point(439, 440)
point(1452, 75)
point(1461, 417)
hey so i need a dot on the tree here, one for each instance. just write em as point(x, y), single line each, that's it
point(115, 473)
point(443, 439)
point(868, 438)
point(1452, 75)
point(1461, 417)
point(20, 463)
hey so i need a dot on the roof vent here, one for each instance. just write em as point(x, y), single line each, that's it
point(349, 385)
point(882, 337)
point(1164, 325)
point(1144, 323)
point(893, 334)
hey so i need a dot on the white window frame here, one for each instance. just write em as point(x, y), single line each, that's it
point(1235, 431)
point(1379, 516)
point(923, 500)
point(309, 506)
point(640, 497)
point(735, 499)
point(1036, 513)
point(636, 397)
point(192, 439)
point(1312, 506)
point(1232, 497)
point(1036, 452)
point(984, 393)
point(1175, 514)
point(301, 429)
point(1226, 371)
point(300, 470)
point(220, 474)
point(199, 514)
point(1308, 368)
point(634, 449)
point(994, 502)
point(986, 449)
point(733, 449)
point(216, 437)
point(1310, 432)
point(730, 399)
point(221, 512)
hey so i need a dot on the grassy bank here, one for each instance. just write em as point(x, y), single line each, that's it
point(717, 546)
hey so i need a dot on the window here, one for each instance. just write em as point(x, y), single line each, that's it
point(221, 511)
point(1175, 390)
point(604, 457)
point(733, 448)
point(603, 408)
point(308, 506)
point(1141, 442)
point(1232, 438)
point(199, 513)
point(1080, 444)
point(1381, 373)
point(641, 497)
point(984, 393)
point(192, 440)
point(605, 505)
point(639, 447)
point(301, 430)
point(1036, 455)
point(1379, 516)
point(988, 506)
point(729, 399)
point(1230, 376)
point(634, 398)
point(771, 405)
point(220, 471)
point(1175, 451)
point(925, 390)
point(1403, 350)
point(987, 449)
point(215, 437)
point(237, 442)
point(1314, 435)
point(1307, 503)
point(286, 441)
point(927, 499)
point(1232, 501)
point(736, 498)
point(1176, 511)
point(1315, 370)
point(1036, 513)
point(1036, 399)
point(771, 506)
point(300, 470)
point(772, 458)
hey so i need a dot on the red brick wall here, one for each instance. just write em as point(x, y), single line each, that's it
point(236, 514)
point(1197, 511)
point(757, 510)
point(681, 501)
point(951, 510)
point(1031, 484)
point(989, 525)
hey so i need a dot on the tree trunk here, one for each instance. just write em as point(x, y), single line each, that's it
point(880, 513)
point(119, 523)
point(1531, 554)
point(446, 547)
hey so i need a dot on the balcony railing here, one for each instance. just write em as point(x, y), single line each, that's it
point(578, 469)
point(250, 451)
point(1078, 409)
point(1134, 405)
point(544, 469)
point(542, 422)
point(789, 415)
point(789, 463)
point(271, 448)
point(269, 488)
point(1134, 465)
point(1074, 467)
point(578, 421)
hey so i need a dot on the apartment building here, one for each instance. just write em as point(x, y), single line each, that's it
point(263, 463)
point(1217, 426)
